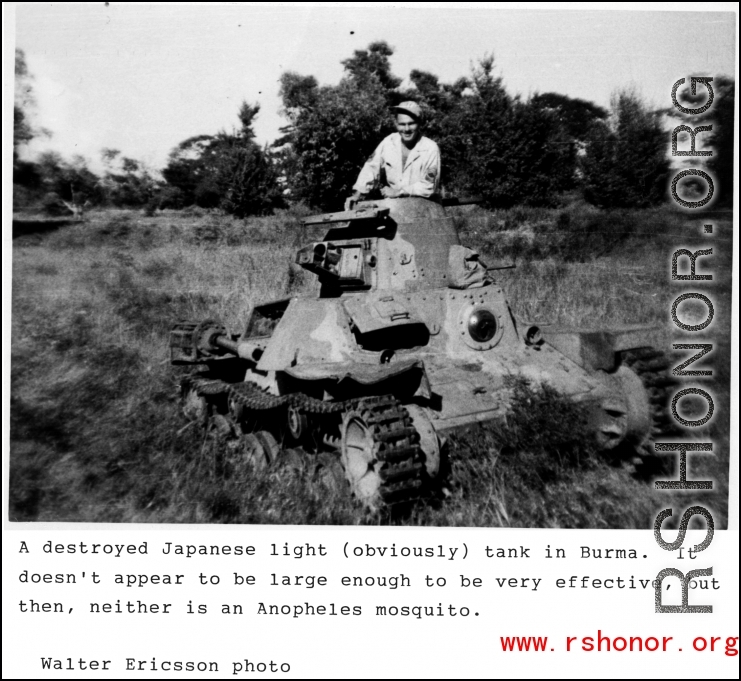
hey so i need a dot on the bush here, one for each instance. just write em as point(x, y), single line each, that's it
point(577, 233)
point(52, 205)
point(545, 432)
point(165, 198)
point(625, 164)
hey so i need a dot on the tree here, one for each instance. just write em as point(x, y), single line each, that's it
point(571, 120)
point(507, 149)
point(297, 92)
point(192, 168)
point(720, 140)
point(625, 164)
point(126, 182)
point(63, 181)
point(27, 177)
point(70, 181)
point(227, 170)
point(23, 106)
point(373, 65)
point(23, 133)
point(722, 137)
point(247, 177)
point(471, 133)
point(574, 115)
point(500, 147)
point(335, 128)
point(438, 100)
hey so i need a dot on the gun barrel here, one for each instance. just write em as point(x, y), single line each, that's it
point(363, 213)
point(225, 344)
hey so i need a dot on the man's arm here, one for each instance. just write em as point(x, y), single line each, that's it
point(370, 173)
point(367, 178)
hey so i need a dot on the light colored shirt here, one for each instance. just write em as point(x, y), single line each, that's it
point(419, 176)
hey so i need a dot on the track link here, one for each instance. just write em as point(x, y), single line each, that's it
point(252, 396)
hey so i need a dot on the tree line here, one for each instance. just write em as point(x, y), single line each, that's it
point(508, 149)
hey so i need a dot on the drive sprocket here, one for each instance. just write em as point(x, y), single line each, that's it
point(380, 453)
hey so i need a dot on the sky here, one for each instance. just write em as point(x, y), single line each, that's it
point(142, 77)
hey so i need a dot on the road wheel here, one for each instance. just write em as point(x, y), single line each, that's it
point(261, 449)
point(297, 423)
point(195, 408)
point(328, 473)
point(219, 439)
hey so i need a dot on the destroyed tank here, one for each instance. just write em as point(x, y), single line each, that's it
point(409, 336)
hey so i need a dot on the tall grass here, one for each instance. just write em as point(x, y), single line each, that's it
point(96, 433)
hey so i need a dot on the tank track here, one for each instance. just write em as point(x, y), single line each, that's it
point(652, 367)
point(251, 396)
point(399, 455)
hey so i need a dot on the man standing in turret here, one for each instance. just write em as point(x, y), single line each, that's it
point(405, 163)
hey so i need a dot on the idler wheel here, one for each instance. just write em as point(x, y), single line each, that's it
point(623, 414)
point(638, 405)
point(610, 423)
point(634, 410)
point(651, 368)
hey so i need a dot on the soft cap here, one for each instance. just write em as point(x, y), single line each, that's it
point(410, 108)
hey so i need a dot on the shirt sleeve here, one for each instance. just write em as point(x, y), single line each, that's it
point(427, 181)
point(370, 173)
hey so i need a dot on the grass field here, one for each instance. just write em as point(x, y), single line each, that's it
point(96, 433)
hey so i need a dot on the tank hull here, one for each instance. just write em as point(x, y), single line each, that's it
point(419, 339)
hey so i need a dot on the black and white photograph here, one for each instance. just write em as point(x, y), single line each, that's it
point(437, 295)
point(277, 267)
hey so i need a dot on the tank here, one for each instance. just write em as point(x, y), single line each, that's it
point(409, 336)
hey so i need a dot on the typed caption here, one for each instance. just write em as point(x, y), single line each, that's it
point(241, 586)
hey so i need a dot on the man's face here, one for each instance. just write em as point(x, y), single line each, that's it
point(408, 128)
